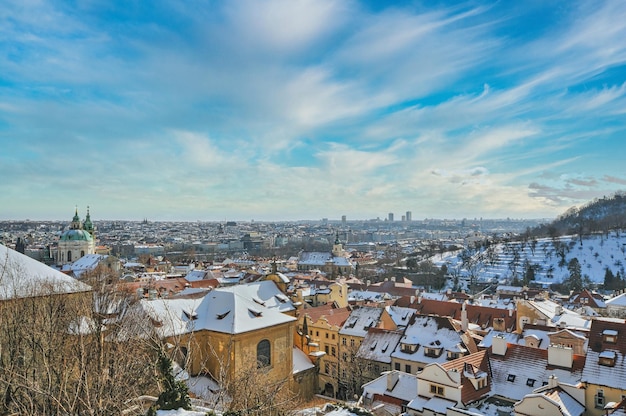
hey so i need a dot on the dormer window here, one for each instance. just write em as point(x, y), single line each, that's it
point(482, 382)
point(453, 355)
point(609, 336)
point(433, 352)
point(255, 313)
point(191, 315)
point(408, 348)
point(281, 298)
point(511, 378)
point(607, 358)
point(531, 382)
point(222, 315)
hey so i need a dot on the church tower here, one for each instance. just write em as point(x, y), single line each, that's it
point(337, 247)
point(88, 225)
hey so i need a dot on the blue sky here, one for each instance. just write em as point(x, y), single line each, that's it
point(269, 110)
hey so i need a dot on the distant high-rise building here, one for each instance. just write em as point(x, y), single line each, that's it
point(343, 219)
point(403, 218)
point(408, 216)
point(390, 217)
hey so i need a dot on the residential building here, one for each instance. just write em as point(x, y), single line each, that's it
point(553, 399)
point(430, 339)
point(352, 334)
point(454, 384)
point(616, 306)
point(604, 375)
point(518, 370)
point(375, 352)
point(390, 392)
point(318, 330)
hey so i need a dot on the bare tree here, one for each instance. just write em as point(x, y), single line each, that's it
point(61, 354)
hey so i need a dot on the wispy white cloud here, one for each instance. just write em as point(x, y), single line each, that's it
point(319, 108)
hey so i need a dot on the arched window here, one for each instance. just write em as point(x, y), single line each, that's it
point(69, 255)
point(184, 354)
point(263, 353)
point(82, 253)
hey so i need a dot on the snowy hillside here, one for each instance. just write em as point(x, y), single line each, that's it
point(549, 258)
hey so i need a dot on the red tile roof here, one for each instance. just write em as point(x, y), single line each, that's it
point(470, 364)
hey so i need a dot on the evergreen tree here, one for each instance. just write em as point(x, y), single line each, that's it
point(575, 281)
point(609, 279)
point(175, 394)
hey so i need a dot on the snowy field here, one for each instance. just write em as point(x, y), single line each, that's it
point(549, 257)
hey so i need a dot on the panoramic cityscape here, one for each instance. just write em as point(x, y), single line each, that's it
point(305, 208)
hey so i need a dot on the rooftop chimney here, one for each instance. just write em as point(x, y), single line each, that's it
point(464, 320)
point(498, 345)
point(560, 356)
point(553, 381)
point(392, 379)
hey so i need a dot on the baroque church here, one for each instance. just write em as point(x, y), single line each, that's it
point(76, 242)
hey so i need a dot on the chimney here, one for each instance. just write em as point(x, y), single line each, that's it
point(510, 312)
point(558, 310)
point(392, 379)
point(560, 356)
point(498, 345)
point(464, 321)
point(412, 299)
point(553, 381)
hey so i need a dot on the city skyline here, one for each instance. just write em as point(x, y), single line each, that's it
point(301, 110)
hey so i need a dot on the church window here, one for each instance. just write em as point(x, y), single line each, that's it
point(264, 353)
point(69, 256)
point(82, 253)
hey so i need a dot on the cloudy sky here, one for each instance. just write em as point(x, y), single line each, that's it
point(288, 109)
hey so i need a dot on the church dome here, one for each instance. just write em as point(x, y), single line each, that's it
point(76, 235)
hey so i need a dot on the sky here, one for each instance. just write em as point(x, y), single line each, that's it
point(309, 109)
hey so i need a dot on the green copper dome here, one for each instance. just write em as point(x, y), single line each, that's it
point(76, 235)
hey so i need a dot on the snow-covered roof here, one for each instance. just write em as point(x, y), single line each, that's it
point(195, 275)
point(86, 263)
point(401, 316)
point(366, 295)
point(617, 301)
point(317, 258)
point(428, 332)
point(228, 310)
point(22, 276)
point(560, 316)
point(378, 345)
point(435, 404)
point(404, 386)
point(604, 375)
point(524, 369)
point(360, 320)
point(300, 361)
point(511, 338)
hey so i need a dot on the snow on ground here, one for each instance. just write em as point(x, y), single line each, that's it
point(550, 256)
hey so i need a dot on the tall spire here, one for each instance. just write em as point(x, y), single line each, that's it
point(88, 225)
point(76, 221)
